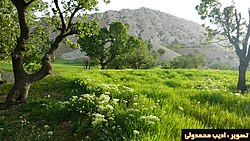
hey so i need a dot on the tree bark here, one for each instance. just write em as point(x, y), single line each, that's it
point(23, 80)
point(103, 66)
point(242, 76)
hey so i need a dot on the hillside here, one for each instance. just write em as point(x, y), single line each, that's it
point(163, 30)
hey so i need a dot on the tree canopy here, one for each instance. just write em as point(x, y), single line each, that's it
point(232, 26)
point(39, 35)
point(68, 18)
point(108, 43)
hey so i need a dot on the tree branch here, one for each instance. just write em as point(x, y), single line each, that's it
point(24, 30)
point(237, 19)
point(247, 36)
point(227, 30)
point(72, 32)
point(71, 17)
point(60, 15)
point(28, 3)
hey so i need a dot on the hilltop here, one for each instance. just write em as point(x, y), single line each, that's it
point(175, 35)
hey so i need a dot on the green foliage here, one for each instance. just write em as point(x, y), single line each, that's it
point(230, 25)
point(154, 104)
point(189, 61)
point(39, 41)
point(221, 66)
point(161, 51)
point(108, 43)
point(136, 58)
point(9, 28)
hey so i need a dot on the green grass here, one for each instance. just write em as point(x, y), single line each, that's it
point(157, 103)
point(5, 66)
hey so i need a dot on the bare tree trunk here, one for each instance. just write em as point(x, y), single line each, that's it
point(18, 94)
point(242, 76)
point(103, 66)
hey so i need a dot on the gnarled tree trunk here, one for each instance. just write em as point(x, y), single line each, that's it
point(23, 80)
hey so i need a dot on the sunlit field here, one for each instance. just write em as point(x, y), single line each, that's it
point(142, 105)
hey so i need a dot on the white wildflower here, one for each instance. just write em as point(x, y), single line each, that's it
point(87, 137)
point(149, 118)
point(124, 101)
point(46, 127)
point(98, 119)
point(107, 93)
point(98, 115)
point(181, 108)
point(115, 101)
point(50, 133)
point(109, 107)
point(111, 118)
point(135, 104)
point(238, 94)
point(104, 98)
point(136, 132)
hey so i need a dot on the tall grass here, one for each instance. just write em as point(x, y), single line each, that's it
point(155, 104)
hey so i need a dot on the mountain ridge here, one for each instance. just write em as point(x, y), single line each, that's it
point(164, 30)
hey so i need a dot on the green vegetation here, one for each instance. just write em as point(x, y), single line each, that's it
point(161, 51)
point(26, 34)
point(114, 47)
point(189, 61)
point(139, 57)
point(155, 104)
point(221, 66)
point(229, 25)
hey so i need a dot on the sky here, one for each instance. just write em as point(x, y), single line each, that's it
point(180, 8)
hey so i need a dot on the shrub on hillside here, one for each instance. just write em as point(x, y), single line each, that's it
point(189, 61)
point(221, 66)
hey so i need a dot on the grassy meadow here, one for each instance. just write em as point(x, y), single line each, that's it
point(74, 104)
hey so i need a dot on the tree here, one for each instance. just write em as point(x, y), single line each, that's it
point(161, 51)
point(64, 22)
point(108, 43)
point(232, 27)
point(189, 61)
point(10, 31)
point(138, 57)
point(141, 56)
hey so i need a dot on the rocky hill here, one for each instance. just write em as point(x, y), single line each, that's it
point(161, 28)
point(164, 30)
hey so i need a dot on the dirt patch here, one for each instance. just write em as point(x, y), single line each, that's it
point(8, 76)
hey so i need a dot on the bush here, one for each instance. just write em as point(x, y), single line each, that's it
point(161, 51)
point(189, 61)
point(220, 66)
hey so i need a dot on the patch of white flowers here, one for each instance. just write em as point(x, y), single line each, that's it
point(151, 119)
point(98, 119)
point(100, 110)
